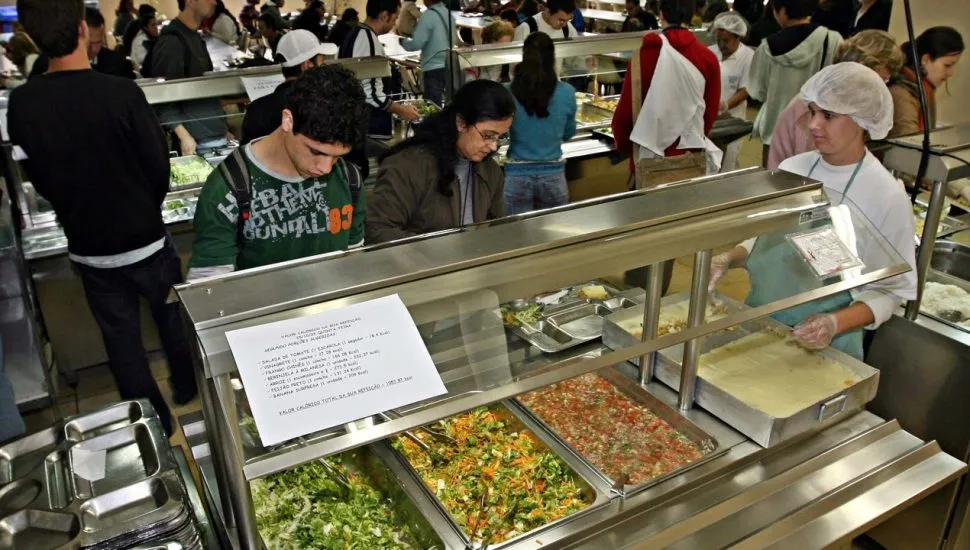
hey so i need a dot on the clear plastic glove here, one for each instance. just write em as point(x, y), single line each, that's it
point(187, 145)
point(722, 108)
point(817, 332)
point(720, 265)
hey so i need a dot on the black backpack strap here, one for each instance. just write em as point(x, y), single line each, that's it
point(825, 51)
point(236, 175)
point(354, 182)
point(533, 26)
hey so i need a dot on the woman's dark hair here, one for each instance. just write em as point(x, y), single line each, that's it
point(132, 31)
point(145, 10)
point(535, 78)
point(510, 16)
point(935, 42)
point(477, 101)
point(529, 8)
point(125, 6)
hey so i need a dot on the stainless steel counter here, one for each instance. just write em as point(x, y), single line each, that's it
point(824, 488)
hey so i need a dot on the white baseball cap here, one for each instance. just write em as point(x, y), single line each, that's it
point(300, 45)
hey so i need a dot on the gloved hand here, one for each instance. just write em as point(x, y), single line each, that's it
point(722, 108)
point(720, 265)
point(817, 332)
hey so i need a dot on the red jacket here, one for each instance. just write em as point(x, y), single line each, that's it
point(684, 42)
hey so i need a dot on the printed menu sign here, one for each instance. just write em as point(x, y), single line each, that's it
point(308, 374)
point(259, 86)
point(825, 252)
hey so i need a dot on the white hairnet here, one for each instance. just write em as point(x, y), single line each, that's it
point(853, 90)
point(732, 22)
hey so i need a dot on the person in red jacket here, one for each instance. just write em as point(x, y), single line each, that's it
point(676, 164)
point(675, 15)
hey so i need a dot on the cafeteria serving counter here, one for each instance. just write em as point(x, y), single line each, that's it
point(840, 474)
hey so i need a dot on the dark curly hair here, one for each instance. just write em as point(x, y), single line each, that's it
point(328, 106)
point(477, 101)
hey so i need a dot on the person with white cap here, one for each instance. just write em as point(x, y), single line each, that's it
point(729, 30)
point(298, 51)
point(848, 104)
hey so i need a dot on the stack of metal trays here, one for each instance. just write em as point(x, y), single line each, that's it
point(102, 480)
point(763, 428)
point(560, 320)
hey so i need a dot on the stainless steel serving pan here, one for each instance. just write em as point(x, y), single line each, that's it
point(708, 445)
point(594, 493)
point(762, 428)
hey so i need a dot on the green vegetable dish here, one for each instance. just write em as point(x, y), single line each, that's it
point(305, 508)
point(188, 172)
point(518, 317)
point(427, 108)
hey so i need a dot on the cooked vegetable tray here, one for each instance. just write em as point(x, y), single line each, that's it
point(501, 478)
point(629, 437)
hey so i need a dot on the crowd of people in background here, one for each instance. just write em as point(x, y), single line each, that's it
point(826, 74)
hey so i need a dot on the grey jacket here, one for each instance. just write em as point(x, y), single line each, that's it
point(406, 201)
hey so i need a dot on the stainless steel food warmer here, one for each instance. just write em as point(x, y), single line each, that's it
point(833, 480)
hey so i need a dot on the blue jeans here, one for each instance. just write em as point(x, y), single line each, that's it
point(434, 86)
point(525, 193)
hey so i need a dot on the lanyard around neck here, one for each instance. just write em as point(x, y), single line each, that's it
point(848, 186)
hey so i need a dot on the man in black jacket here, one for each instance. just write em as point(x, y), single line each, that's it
point(76, 149)
point(179, 52)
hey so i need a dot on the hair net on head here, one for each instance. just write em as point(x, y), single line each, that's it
point(853, 90)
point(731, 22)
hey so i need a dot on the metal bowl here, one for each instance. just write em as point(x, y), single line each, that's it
point(952, 258)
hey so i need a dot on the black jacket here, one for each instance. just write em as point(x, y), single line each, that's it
point(101, 140)
point(263, 115)
point(108, 62)
point(876, 18)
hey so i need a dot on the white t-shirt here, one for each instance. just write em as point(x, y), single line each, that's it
point(522, 31)
point(734, 76)
point(876, 195)
point(138, 49)
point(574, 65)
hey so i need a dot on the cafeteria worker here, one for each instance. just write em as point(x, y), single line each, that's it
point(848, 104)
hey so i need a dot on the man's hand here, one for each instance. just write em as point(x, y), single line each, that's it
point(187, 143)
point(407, 112)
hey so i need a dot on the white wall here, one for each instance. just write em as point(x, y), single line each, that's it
point(931, 13)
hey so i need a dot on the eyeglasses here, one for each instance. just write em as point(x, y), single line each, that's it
point(491, 137)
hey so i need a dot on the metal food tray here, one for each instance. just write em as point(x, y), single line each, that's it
point(368, 462)
point(707, 443)
point(762, 428)
point(46, 504)
point(572, 321)
point(594, 494)
point(948, 225)
point(603, 117)
point(946, 279)
point(190, 159)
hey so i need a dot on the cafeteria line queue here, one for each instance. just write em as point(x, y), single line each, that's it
point(293, 194)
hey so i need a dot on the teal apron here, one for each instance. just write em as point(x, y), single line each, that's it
point(777, 271)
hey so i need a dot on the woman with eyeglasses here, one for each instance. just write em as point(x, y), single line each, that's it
point(444, 176)
point(545, 117)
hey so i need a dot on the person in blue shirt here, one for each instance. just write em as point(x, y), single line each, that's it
point(434, 35)
point(579, 22)
point(545, 117)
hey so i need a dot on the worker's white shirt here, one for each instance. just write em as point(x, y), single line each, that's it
point(734, 76)
point(876, 195)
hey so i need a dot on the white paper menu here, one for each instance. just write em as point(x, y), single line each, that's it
point(259, 86)
point(308, 374)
